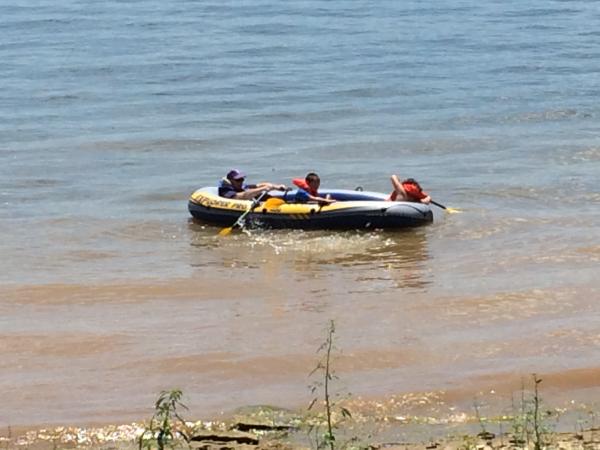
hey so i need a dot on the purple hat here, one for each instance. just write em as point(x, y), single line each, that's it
point(235, 174)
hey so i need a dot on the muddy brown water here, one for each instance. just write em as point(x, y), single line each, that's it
point(237, 321)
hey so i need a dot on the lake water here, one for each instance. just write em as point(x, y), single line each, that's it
point(113, 112)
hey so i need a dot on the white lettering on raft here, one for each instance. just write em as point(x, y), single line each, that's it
point(210, 202)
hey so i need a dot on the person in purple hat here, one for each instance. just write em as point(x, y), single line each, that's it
point(233, 186)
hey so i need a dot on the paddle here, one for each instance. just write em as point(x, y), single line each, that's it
point(240, 222)
point(448, 210)
point(273, 203)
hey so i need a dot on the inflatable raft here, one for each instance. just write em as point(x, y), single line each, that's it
point(353, 210)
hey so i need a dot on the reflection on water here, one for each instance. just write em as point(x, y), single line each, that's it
point(397, 258)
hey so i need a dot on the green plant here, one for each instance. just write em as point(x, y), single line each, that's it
point(542, 425)
point(480, 419)
point(537, 420)
point(166, 424)
point(327, 374)
point(8, 438)
point(519, 420)
point(531, 423)
point(593, 424)
point(467, 443)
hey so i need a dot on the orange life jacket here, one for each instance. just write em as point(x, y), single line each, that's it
point(302, 184)
point(412, 191)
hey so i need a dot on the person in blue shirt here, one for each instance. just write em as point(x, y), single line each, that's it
point(308, 190)
point(233, 186)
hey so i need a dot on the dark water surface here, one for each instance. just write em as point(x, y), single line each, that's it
point(112, 113)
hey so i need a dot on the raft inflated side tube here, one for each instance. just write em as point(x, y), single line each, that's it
point(353, 210)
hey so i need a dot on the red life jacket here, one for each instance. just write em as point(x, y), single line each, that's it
point(302, 184)
point(412, 191)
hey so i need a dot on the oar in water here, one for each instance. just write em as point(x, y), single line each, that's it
point(240, 222)
point(447, 209)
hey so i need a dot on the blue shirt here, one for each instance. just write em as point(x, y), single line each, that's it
point(227, 190)
point(301, 196)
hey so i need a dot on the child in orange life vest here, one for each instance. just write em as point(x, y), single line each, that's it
point(408, 190)
point(308, 190)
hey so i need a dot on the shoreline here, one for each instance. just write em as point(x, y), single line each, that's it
point(425, 420)
point(224, 435)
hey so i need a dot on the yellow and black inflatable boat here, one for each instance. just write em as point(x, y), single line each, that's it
point(353, 210)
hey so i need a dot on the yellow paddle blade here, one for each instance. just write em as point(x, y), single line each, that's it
point(445, 208)
point(273, 203)
point(453, 210)
point(225, 231)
